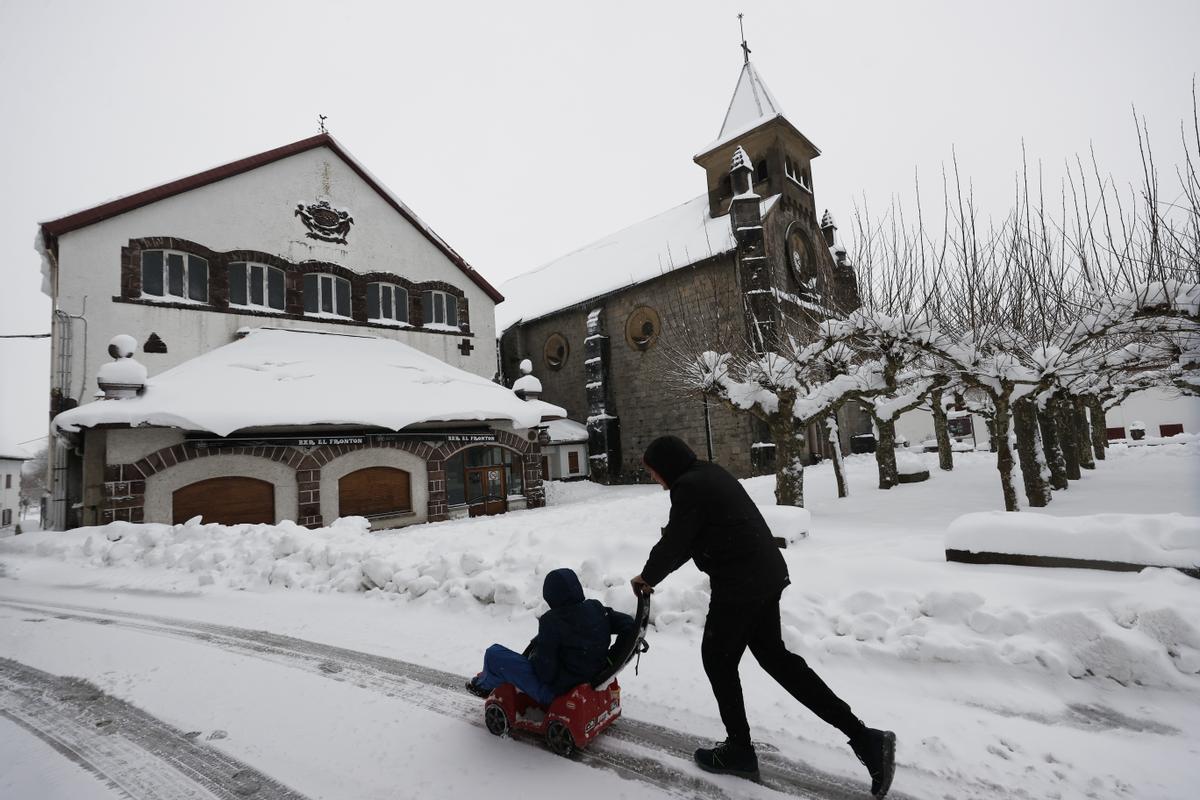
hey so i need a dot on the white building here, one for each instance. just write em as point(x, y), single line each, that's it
point(1160, 412)
point(565, 454)
point(297, 237)
point(10, 490)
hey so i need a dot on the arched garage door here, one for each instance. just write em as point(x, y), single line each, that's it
point(228, 501)
point(374, 492)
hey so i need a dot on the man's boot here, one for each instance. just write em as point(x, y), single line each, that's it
point(729, 758)
point(877, 751)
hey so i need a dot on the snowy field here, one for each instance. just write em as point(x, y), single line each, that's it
point(999, 681)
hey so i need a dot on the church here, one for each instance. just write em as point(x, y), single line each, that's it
point(607, 325)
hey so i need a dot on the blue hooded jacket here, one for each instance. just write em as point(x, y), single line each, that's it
point(574, 635)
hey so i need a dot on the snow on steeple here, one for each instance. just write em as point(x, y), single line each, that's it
point(752, 103)
point(740, 160)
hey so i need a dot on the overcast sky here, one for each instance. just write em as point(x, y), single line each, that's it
point(521, 131)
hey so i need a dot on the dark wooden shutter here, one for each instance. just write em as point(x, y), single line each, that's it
point(1170, 429)
point(229, 501)
point(573, 461)
point(374, 491)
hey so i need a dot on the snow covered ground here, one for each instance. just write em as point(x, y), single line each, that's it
point(999, 681)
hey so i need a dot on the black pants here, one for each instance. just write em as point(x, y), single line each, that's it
point(731, 627)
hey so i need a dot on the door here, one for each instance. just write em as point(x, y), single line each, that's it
point(229, 501)
point(486, 492)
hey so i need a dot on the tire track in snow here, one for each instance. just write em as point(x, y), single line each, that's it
point(631, 747)
point(135, 754)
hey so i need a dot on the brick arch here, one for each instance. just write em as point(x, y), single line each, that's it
point(125, 484)
point(531, 469)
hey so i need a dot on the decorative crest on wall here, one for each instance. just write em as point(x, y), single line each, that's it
point(325, 223)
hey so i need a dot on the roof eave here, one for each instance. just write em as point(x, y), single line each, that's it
point(699, 157)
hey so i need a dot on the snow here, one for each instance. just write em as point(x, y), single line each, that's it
point(527, 383)
point(33, 769)
point(1000, 681)
point(1165, 540)
point(751, 104)
point(287, 377)
point(126, 371)
point(676, 238)
point(565, 431)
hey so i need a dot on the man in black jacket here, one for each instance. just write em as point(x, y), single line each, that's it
point(716, 524)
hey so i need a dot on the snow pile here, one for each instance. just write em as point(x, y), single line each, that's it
point(910, 464)
point(1164, 540)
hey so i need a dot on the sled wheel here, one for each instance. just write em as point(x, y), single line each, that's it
point(558, 736)
point(496, 720)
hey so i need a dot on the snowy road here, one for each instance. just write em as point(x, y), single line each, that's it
point(632, 749)
point(133, 753)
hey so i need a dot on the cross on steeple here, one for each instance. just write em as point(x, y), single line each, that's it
point(745, 47)
point(322, 118)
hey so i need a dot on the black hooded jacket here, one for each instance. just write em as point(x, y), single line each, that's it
point(574, 635)
point(714, 523)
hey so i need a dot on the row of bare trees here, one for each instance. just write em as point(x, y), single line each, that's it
point(1039, 321)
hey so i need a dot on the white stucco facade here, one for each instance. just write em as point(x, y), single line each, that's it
point(254, 210)
point(10, 492)
point(1154, 408)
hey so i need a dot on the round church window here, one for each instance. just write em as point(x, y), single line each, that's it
point(642, 328)
point(556, 351)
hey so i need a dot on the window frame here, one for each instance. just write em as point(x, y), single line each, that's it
point(335, 281)
point(430, 305)
point(167, 278)
point(267, 272)
point(397, 307)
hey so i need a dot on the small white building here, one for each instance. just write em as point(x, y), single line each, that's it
point(10, 490)
point(302, 236)
point(565, 455)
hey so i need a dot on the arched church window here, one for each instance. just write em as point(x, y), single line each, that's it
point(642, 328)
point(556, 351)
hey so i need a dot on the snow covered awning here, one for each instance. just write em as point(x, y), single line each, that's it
point(275, 377)
point(566, 431)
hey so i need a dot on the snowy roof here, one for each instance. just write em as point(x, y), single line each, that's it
point(684, 235)
point(752, 104)
point(565, 431)
point(277, 377)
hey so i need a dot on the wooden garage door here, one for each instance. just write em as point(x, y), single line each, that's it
point(228, 501)
point(374, 491)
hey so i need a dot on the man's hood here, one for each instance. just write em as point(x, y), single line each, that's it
point(562, 588)
point(670, 457)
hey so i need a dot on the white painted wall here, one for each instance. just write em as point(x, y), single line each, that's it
point(1155, 407)
point(10, 497)
point(559, 461)
point(255, 211)
point(1152, 407)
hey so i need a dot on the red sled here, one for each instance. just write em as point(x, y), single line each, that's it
point(574, 719)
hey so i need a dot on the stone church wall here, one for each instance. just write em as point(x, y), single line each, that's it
point(696, 307)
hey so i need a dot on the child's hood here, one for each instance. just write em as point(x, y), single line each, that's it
point(562, 588)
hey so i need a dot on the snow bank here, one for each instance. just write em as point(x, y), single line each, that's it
point(868, 582)
point(1164, 540)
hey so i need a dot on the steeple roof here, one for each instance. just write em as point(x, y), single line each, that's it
point(752, 104)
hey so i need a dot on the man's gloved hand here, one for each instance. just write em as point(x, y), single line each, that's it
point(640, 587)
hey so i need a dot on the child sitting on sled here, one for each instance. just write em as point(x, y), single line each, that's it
point(570, 648)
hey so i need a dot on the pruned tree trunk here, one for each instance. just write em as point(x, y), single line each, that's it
point(885, 454)
point(1066, 435)
point(839, 465)
point(941, 430)
point(1001, 421)
point(1083, 433)
point(791, 454)
point(1047, 423)
point(1034, 472)
point(1099, 426)
point(990, 424)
